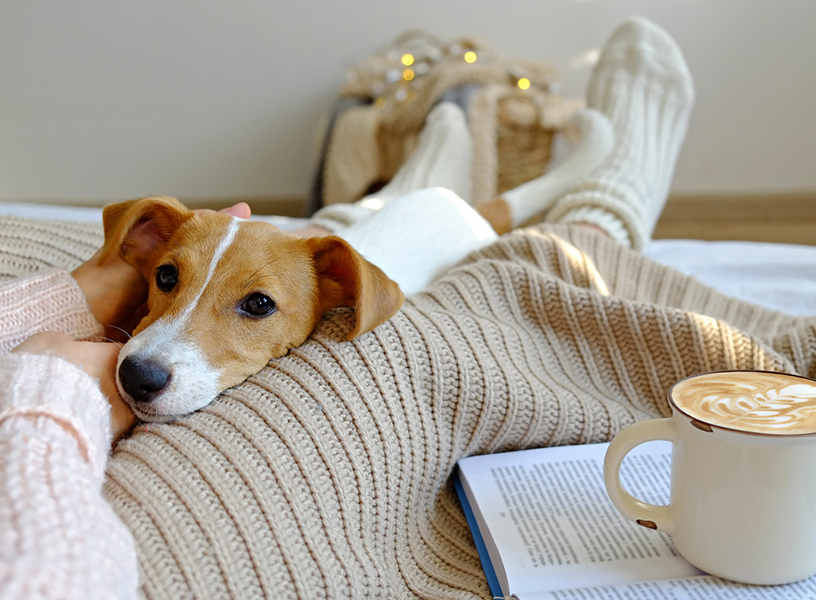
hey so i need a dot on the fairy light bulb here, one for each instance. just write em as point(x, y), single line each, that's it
point(470, 56)
point(407, 59)
point(524, 83)
point(408, 74)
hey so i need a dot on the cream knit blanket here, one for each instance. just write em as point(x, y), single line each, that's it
point(327, 475)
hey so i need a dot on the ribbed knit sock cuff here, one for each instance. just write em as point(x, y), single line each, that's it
point(642, 84)
point(441, 159)
point(603, 219)
point(607, 212)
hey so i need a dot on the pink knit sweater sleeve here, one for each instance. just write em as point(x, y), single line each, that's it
point(48, 301)
point(58, 536)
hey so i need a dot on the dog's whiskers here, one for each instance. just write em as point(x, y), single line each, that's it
point(129, 336)
point(110, 340)
point(105, 339)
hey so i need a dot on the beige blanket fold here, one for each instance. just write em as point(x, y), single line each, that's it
point(327, 475)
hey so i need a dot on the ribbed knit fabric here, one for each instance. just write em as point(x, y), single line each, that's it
point(642, 84)
point(34, 245)
point(327, 474)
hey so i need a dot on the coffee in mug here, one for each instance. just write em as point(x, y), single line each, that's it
point(769, 403)
point(743, 480)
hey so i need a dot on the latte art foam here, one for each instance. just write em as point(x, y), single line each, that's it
point(753, 401)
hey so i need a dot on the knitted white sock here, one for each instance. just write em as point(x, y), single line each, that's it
point(441, 159)
point(517, 206)
point(642, 84)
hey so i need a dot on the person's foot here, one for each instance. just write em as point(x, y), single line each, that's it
point(531, 200)
point(642, 84)
point(442, 158)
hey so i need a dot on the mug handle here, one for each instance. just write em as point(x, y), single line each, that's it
point(647, 515)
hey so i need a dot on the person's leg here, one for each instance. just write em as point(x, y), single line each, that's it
point(642, 84)
point(442, 159)
point(420, 224)
point(534, 198)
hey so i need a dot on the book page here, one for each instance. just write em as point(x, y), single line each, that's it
point(548, 523)
point(694, 588)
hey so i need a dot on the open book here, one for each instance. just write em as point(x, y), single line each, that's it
point(546, 530)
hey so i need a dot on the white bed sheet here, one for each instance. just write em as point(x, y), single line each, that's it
point(777, 276)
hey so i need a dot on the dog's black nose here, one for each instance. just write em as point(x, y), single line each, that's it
point(142, 380)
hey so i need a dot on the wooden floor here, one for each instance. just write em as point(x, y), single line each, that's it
point(783, 218)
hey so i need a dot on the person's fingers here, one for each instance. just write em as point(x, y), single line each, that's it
point(97, 359)
point(240, 210)
point(122, 417)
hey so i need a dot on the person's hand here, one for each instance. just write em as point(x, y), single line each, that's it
point(115, 290)
point(95, 358)
point(240, 210)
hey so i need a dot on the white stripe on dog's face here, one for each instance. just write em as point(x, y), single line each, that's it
point(217, 256)
point(193, 381)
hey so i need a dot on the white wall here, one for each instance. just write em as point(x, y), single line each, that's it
point(203, 99)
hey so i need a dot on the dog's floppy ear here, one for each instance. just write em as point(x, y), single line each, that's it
point(344, 278)
point(136, 228)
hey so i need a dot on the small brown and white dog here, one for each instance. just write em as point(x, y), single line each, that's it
point(227, 295)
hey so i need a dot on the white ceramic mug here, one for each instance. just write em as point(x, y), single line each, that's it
point(743, 503)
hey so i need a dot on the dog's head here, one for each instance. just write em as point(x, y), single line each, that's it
point(226, 296)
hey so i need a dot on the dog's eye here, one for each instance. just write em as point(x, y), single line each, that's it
point(258, 305)
point(166, 277)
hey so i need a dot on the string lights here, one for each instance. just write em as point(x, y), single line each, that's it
point(398, 73)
